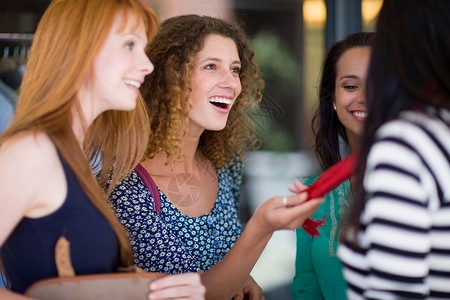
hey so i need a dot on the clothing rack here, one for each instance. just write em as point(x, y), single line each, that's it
point(17, 36)
point(14, 52)
point(15, 44)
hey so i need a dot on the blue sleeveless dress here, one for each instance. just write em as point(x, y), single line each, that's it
point(28, 253)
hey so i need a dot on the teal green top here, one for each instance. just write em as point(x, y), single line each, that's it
point(318, 271)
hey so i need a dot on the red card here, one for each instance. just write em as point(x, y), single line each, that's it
point(332, 177)
point(326, 182)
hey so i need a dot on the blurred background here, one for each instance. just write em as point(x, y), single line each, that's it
point(290, 39)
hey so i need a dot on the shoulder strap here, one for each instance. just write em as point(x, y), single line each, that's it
point(150, 184)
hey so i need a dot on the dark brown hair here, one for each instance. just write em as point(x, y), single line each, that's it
point(326, 126)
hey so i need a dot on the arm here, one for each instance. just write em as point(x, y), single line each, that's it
point(185, 286)
point(249, 290)
point(272, 215)
point(26, 159)
point(20, 158)
point(8, 295)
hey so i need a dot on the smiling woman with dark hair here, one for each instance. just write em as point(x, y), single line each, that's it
point(337, 126)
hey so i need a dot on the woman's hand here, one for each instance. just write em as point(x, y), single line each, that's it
point(297, 187)
point(186, 286)
point(274, 214)
point(250, 290)
point(284, 212)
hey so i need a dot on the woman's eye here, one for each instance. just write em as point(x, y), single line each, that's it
point(350, 87)
point(236, 70)
point(129, 45)
point(210, 67)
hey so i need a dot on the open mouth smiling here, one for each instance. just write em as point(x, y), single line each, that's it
point(359, 114)
point(220, 102)
point(132, 83)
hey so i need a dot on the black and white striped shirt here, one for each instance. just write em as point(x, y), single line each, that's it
point(405, 226)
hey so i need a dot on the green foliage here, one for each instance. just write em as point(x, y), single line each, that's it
point(281, 74)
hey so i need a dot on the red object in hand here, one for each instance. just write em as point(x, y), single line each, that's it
point(326, 182)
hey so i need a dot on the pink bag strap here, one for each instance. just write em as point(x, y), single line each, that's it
point(150, 184)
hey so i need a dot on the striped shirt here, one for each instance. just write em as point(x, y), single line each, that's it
point(405, 226)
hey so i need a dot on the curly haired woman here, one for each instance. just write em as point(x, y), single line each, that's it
point(204, 83)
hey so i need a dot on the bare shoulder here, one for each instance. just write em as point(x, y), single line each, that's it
point(32, 140)
point(26, 155)
point(32, 182)
point(29, 159)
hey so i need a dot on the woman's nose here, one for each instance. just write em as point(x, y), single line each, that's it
point(145, 65)
point(362, 96)
point(229, 80)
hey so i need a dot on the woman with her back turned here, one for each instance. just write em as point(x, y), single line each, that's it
point(397, 243)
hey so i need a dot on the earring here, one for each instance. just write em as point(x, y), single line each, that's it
point(334, 107)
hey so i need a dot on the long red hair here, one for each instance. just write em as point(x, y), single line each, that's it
point(66, 43)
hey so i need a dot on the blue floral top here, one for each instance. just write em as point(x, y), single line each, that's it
point(173, 242)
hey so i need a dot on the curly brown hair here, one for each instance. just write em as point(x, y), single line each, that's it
point(172, 52)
